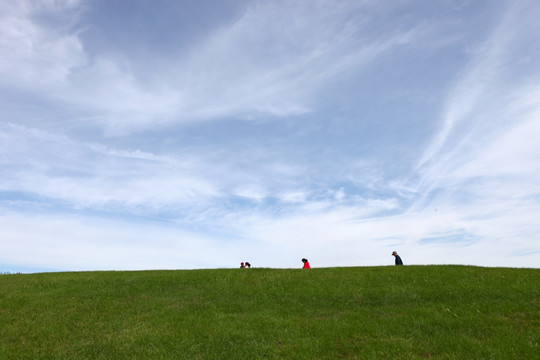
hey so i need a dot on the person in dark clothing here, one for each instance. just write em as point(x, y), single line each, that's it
point(398, 259)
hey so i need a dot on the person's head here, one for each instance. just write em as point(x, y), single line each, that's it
point(394, 253)
point(304, 260)
point(241, 264)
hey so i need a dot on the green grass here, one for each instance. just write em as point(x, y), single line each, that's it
point(409, 312)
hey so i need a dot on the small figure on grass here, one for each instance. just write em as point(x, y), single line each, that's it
point(248, 265)
point(306, 264)
point(242, 265)
point(398, 259)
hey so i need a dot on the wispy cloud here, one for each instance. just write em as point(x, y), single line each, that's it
point(481, 164)
point(267, 62)
point(485, 84)
point(37, 55)
point(56, 167)
point(337, 132)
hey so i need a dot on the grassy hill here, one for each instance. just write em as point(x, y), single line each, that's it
point(409, 312)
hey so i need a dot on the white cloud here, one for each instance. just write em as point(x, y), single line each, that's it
point(294, 197)
point(513, 150)
point(270, 61)
point(479, 85)
point(267, 194)
point(251, 192)
point(36, 56)
point(328, 238)
point(489, 122)
point(71, 243)
point(56, 167)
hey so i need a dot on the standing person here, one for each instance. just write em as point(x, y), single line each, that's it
point(242, 265)
point(398, 259)
point(306, 264)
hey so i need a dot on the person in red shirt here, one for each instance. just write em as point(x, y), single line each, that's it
point(306, 264)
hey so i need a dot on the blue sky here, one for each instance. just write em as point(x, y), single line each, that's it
point(181, 134)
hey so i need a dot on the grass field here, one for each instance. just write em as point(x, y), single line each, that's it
point(408, 312)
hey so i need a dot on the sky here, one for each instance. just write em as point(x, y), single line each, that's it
point(186, 134)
